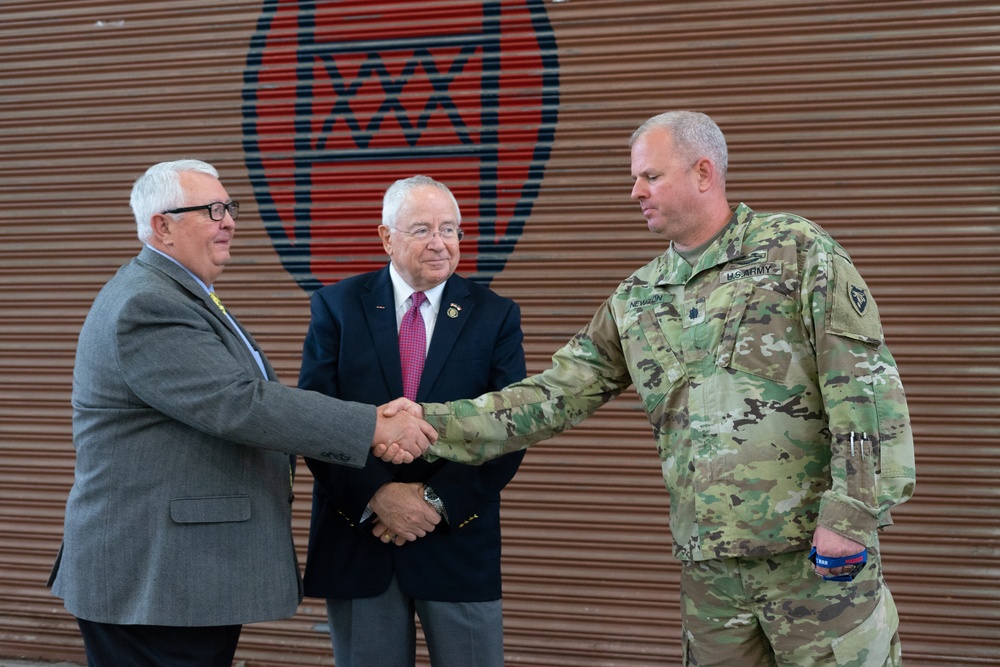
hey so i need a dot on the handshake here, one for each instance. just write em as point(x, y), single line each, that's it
point(401, 434)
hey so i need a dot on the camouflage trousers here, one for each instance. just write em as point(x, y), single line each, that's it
point(765, 612)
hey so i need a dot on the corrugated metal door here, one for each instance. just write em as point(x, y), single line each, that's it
point(877, 120)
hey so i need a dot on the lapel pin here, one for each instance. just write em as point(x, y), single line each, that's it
point(453, 310)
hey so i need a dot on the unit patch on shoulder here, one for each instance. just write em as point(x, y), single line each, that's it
point(852, 311)
point(859, 299)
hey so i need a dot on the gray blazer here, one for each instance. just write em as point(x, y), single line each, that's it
point(180, 512)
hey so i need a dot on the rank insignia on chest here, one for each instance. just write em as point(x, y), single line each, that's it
point(696, 313)
point(859, 299)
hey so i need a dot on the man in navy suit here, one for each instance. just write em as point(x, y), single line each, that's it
point(387, 540)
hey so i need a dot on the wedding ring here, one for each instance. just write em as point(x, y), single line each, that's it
point(386, 538)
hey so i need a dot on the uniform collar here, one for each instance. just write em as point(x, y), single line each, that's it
point(726, 248)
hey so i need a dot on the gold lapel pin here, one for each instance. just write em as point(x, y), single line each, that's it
point(453, 310)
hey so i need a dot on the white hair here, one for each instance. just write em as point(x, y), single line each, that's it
point(397, 193)
point(159, 190)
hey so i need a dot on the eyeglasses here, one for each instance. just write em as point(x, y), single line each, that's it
point(447, 233)
point(216, 210)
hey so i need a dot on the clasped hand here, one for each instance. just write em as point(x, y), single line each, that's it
point(403, 515)
point(401, 434)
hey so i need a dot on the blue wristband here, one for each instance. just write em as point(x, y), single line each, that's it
point(857, 560)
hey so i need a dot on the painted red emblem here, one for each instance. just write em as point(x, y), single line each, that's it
point(343, 98)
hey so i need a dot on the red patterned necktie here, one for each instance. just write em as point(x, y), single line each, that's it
point(412, 346)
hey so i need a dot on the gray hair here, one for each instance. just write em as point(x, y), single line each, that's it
point(159, 189)
point(397, 193)
point(695, 135)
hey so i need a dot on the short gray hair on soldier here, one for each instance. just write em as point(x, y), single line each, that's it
point(159, 189)
point(397, 193)
point(694, 134)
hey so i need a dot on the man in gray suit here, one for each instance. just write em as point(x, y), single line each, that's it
point(178, 525)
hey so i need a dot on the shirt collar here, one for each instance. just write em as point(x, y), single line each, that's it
point(207, 288)
point(402, 291)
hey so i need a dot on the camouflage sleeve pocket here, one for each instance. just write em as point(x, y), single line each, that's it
point(852, 312)
point(855, 458)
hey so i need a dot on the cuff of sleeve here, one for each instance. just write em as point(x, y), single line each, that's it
point(369, 513)
point(844, 517)
point(436, 414)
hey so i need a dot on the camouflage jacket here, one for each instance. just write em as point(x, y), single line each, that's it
point(774, 402)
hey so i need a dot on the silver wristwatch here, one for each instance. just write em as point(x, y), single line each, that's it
point(432, 499)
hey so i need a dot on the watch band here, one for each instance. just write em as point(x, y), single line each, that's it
point(432, 499)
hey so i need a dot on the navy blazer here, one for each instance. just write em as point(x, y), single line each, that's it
point(352, 352)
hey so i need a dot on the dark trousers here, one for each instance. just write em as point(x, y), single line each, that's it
point(111, 645)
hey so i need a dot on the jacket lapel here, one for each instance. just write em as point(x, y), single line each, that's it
point(379, 306)
point(181, 277)
point(186, 282)
point(456, 307)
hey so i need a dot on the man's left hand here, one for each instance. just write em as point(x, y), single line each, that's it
point(833, 545)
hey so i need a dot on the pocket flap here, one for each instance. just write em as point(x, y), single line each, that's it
point(210, 509)
point(870, 644)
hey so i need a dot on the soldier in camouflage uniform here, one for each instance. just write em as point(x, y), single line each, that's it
point(777, 409)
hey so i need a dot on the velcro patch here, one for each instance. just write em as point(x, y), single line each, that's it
point(762, 269)
point(860, 319)
point(650, 300)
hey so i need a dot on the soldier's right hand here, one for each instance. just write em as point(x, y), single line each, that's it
point(399, 436)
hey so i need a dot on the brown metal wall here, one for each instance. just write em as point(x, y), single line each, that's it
point(877, 120)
